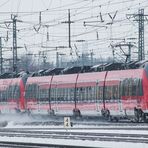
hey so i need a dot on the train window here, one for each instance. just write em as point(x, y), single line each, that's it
point(131, 84)
point(13, 92)
point(16, 92)
point(140, 88)
point(43, 94)
point(65, 94)
point(135, 87)
point(27, 91)
point(116, 92)
point(52, 95)
point(2, 95)
point(92, 94)
point(131, 87)
point(32, 91)
point(100, 92)
point(81, 94)
point(124, 87)
point(111, 92)
point(86, 93)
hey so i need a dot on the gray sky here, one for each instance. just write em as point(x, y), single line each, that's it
point(97, 35)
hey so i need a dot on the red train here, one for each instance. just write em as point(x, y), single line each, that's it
point(113, 94)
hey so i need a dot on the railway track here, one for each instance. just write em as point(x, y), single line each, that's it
point(4, 144)
point(75, 135)
point(129, 128)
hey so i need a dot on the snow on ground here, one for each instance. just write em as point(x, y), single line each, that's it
point(79, 128)
point(16, 123)
point(89, 144)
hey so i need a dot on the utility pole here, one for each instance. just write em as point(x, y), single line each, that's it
point(1, 57)
point(69, 28)
point(7, 23)
point(141, 55)
point(14, 44)
point(15, 59)
point(140, 18)
point(57, 60)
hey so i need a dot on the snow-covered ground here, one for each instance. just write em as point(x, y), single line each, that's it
point(89, 144)
point(16, 123)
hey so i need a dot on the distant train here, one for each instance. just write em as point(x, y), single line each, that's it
point(112, 94)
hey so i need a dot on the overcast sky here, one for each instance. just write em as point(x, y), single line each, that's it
point(96, 35)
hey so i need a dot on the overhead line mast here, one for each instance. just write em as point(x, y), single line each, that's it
point(1, 57)
point(69, 28)
point(14, 44)
point(140, 18)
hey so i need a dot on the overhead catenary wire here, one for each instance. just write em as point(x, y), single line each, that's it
point(26, 30)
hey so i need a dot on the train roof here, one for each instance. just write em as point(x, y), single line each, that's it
point(39, 79)
point(78, 69)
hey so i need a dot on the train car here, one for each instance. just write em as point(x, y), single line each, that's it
point(113, 94)
point(123, 93)
point(88, 92)
point(12, 95)
point(37, 91)
point(63, 93)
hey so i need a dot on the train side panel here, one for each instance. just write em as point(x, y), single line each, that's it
point(87, 92)
point(37, 94)
point(62, 93)
point(123, 96)
point(11, 95)
point(145, 89)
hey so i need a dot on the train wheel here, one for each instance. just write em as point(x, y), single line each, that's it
point(137, 119)
point(102, 112)
point(107, 113)
point(145, 118)
point(116, 119)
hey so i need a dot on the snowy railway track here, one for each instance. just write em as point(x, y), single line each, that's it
point(145, 128)
point(76, 135)
point(4, 144)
